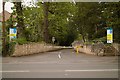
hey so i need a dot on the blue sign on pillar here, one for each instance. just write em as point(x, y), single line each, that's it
point(13, 33)
point(109, 35)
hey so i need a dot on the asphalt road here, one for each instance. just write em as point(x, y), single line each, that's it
point(60, 64)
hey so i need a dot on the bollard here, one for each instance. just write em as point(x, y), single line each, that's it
point(77, 49)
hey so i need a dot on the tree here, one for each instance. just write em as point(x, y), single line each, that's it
point(4, 32)
point(20, 20)
point(111, 16)
point(60, 15)
point(45, 29)
point(85, 19)
point(33, 20)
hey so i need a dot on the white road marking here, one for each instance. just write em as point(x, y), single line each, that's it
point(16, 71)
point(59, 55)
point(31, 62)
point(95, 70)
point(32, 71)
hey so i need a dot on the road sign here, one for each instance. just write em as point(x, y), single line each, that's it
point(13, 33)
point(53, 39)
point(109, 35)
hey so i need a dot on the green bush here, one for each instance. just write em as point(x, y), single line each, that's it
point(10, 48)
point(90, 42)
point(21, 41)
point(102, 39)
point(10, 45)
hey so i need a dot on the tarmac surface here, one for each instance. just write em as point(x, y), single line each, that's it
point(64, 63)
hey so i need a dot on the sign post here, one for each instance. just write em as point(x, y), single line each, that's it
point(53, 39)
point(109, 35)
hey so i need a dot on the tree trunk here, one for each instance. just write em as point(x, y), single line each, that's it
point(83, 37)
point(20, 22)
point(3, 32)
point(45, 29)
point(83, 33)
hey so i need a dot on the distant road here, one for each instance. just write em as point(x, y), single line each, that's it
point(60, 64)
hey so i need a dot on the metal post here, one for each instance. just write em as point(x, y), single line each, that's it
point(3, 31)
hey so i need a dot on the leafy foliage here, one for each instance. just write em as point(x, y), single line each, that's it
point(59, 22)
point(21, 41)
point(66, 21)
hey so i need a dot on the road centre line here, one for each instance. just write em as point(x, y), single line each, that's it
point(33, 71)
point(45, 62)
point(95, 70)
point(16, 71)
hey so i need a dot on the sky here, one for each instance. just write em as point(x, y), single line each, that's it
point(8, 5)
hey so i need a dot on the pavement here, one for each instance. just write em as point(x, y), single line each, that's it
point(60, 64)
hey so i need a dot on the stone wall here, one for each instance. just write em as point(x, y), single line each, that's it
point(117, 47)
point(100, 49)
point(32, 48)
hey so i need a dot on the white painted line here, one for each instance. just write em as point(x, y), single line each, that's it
point(33, 71)
point(31, 62)
point(59, 55)
point(95, 70)
point(16, 71)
